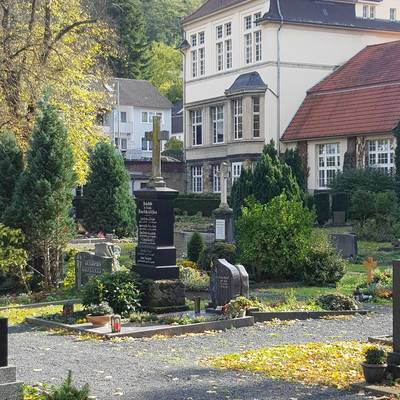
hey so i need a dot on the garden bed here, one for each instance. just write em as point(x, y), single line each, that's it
point(263, 316)
point(135, 330)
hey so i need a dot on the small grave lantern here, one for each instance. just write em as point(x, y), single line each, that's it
point(116, 323)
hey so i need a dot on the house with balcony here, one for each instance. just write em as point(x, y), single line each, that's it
point(348, 119)
point(249, 63)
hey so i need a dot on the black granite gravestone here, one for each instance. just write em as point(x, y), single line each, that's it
point(225, 283)
point(3, 342)
point(88, 265)
point(156, 253)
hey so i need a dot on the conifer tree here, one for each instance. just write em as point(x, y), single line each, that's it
point(11, 166)
point(108, 204)
point(132, 56)
point(42, 200)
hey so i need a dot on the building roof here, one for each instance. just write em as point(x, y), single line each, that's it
point(139, 93)
point(325, 12)
point(251, 81)
point(361, 97)
point(337, 13)
point(210, 7)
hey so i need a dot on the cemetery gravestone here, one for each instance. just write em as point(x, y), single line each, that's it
point(346, 244)
point(88, 265)
point(227, 282)
point(10, 389)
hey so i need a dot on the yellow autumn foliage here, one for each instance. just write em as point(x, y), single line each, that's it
point(334, 364)
point(55, 45)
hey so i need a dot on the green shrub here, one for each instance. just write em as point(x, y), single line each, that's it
point(194, 247)
point(322, 207)
point(375, 356)
point(68, 392)
point(337, 302)
point(377, 231)
point(194, 279)
point(69, 262)
point(191, 204)
point(218, 250)
point(97, 310)
point(274, 239)
point(367, 179)
point(118, 289)
point(322, 264)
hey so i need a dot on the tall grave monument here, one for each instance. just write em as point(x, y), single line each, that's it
point(156, 253)
point(224, 224)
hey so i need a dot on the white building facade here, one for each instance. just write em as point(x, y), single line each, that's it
point(249, 63)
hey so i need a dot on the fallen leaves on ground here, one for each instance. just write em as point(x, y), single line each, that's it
point(329, 364)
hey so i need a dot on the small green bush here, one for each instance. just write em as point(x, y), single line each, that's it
point(375, 356)
point(118, 289)
point(68, 392)
point(322, 207)
point(218, 250)
point(191, 204)
point(337, 302)
point(322, 264)
point(274, 239)
point(194, 247)
point(194, 279)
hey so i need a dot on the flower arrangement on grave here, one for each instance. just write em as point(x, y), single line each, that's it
point(237, 308)
point(99, 314)
point(374, 366)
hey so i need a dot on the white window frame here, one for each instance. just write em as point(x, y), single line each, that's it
point(196, 119)
point(217, 119)
point(124, 119)
point(224, 49)
point(328, 163)
point(121, 143)
point(256, 101)
point(372, 12)
point(381, 155)
point(236, 171)
point(197, 179)
point(252, 39)
point(216, 178)
point(198, 55)
point(365, 11)
point(146, 119)
point(238, 119)
point(393, 14)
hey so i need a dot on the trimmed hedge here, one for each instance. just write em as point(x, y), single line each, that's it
point(322, 207)
point(194, 203)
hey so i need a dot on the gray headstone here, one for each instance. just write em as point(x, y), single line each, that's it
point(339, 217)
point(346, 244)
point(244, 281)
point(224, 283)
point(89, 265)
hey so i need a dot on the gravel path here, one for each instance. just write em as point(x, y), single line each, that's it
point(171, 369)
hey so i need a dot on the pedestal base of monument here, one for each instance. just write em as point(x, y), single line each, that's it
point(224, 225)
point(10, 389)
point(394, 365)
point(162, 296)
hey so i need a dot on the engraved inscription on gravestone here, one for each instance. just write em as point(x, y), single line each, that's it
point(88, 265)
point(147, 223)
point(220, 229)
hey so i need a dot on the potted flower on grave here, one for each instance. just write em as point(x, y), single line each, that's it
point(374, 366)
point(99, 315)
point(238, 307)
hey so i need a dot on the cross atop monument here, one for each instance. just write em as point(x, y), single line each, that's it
point(224, 185)
point(156, 136)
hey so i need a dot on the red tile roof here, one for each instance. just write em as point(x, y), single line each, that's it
point(361, 97)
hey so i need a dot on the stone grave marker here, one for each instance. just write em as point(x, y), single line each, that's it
point(89, 265)
point(346, 244)
point(227, 282)
point(10, 388)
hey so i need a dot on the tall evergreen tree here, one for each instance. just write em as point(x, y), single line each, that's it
point(293, 159)
point(42, 199)
point(271, 177)
point(108, 204)
point(131, 60)
point(11, 166)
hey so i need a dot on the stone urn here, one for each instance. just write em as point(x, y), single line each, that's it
point(98, 320)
